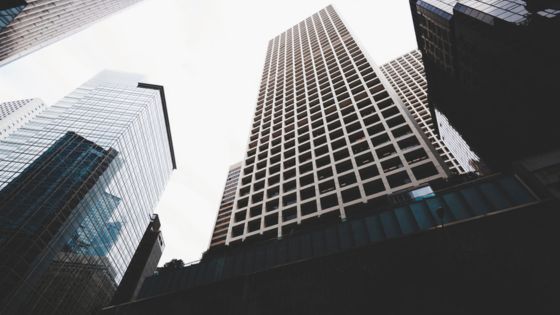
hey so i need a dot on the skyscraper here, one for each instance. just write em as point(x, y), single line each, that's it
point(17, 113)
point(26, 26)
point(226, 205)
point(78, 185)
point(406, 75)
point(328, 136)
point(490, 67)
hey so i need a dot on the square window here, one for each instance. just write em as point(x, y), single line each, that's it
point(398, 179)
point(271, 220)
point(254, 225)
point(424, 171)
point(347, 179)
point(309, 208)
point(351, 194)
point(329, 201)
point(307, 193)
point(240, 216)
point(374, 187)
point(289, 214)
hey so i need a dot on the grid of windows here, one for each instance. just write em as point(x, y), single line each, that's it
point(226, 205)
point(78, 185)
point(326, 134)
point(15, 114)
point(44, 21)
point(406, 75)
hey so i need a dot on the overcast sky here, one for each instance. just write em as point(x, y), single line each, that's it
point(209, 56)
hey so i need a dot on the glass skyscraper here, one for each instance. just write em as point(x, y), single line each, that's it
point(26, 26)
point(490, 67)
point(78, 185)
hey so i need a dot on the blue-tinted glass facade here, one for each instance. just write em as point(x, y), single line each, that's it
point(78, 185)
point(9, 10)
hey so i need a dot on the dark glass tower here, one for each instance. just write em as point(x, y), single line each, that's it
point(78, 185)
point(406, 75)
point(26, 26)
point(490, 67)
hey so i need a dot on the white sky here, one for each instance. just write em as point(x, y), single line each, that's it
point(209, 56)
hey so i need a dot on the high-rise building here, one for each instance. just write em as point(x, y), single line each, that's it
point(406, 75)
point(78, 186)
point(226, 206)
point(26, 26)
point(17, 113)
point(328, 137)
point(489, 67)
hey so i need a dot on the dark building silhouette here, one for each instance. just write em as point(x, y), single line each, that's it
point(481, 246)
point(490, 67)
point(143, 263)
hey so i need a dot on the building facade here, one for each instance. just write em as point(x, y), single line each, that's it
point(78, 186)
point(219, 234)
point(328, 137)
point(489, 66)
point(26, 26)
point(143, 264)
point(17, 113)
point(406, 75)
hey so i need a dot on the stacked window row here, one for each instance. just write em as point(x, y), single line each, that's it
point(406, 74)
point(226, 205)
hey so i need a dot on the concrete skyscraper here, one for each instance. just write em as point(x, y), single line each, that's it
point(329, 135)
point(226, 206)
point(407, 77)
point(28, 25)
point(78, 186)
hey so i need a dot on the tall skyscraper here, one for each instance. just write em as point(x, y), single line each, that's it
point(329, 136)
point(17, 113)
point(78, 185)
point(26, 26)
point(406, 75)
point(226, 206)
point(489, 66)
